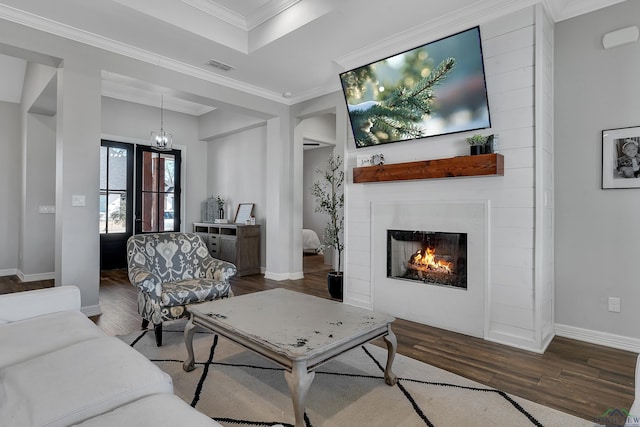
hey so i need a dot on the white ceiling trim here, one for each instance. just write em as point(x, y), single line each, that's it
point(246, 23)
point(81, 36)
point(139, 96)
point(268, 11)
point(443, 26)
point(476, 14)
point(220, 12)
point(566, 9)
point(315, 92)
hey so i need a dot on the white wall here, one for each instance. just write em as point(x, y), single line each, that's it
point(10, 170)
point(236, 170)
point(509, 51)
point(313, 160)
point(38, 159)
point(317, 129)
point(39, 231)
point(597, 232)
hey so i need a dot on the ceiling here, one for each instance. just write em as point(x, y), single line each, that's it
point(284, 50)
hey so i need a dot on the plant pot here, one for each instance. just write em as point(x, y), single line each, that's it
point(487, 148)
point(475, 149)
point(334, 283)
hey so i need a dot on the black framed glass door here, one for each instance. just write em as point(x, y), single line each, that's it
point(116, 202)
point(157, 190)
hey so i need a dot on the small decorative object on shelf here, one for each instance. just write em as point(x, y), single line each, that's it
point(208, 210)
point(477, 144)
point(377, 159)
point(363, 160)
point(220, 202)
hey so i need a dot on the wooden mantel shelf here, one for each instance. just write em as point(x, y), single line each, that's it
point(480, 165)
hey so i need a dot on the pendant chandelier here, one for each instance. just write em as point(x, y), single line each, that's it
point(161, 140)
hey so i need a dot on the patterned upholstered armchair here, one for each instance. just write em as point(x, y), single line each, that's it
point(171, 270)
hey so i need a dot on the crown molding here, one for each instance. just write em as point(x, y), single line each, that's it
point(315, 92)
point(246, 23)
point(435, 29)
point(122, 92)
point(268, 11)
point(214, 9)
point(85, 37)
point(565, 9)
point(461, 19)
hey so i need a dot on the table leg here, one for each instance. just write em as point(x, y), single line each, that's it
point(189, 329)
point(299, 381)
point(392, 343)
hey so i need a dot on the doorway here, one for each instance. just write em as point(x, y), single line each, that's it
point(157, 190)
point(155, 200)
point(116, 200)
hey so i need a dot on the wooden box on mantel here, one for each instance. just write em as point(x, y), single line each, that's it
point(480, 165)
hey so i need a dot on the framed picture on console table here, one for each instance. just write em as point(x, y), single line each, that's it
point(244, 213)
point(621, 158)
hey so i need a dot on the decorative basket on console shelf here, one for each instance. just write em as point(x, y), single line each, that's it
point(329, 197)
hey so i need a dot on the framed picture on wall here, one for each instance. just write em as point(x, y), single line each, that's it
point(621, 158)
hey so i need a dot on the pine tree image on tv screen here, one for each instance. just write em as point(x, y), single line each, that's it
point(398, 115)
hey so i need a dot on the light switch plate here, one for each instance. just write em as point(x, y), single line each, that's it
point(78, 200)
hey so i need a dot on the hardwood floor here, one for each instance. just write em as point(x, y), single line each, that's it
point(572, 376)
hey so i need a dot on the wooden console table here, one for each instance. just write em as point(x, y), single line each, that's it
point(235, 243)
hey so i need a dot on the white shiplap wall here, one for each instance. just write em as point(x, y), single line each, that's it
point(509, 51)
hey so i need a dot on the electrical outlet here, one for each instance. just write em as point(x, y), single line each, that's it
point(614, 304)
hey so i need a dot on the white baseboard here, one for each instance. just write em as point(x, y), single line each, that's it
point(276, 276)
point(283, 276)
point(91, 310)
point(8, 272)
point(35, 277)
point(296, 276)
point(600, 338)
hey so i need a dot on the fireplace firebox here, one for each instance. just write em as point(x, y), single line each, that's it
point(430, 257)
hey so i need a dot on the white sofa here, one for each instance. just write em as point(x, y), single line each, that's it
point(57, 368)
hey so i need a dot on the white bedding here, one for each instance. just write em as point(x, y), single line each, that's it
point(310, 241)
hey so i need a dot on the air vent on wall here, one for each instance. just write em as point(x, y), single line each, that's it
point(220, 65)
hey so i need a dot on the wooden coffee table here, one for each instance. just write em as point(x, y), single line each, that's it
point(297, 331)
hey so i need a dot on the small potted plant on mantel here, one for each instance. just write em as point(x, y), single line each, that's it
point(476, 143)
point(330, 200)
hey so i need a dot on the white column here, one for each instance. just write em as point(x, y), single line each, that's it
point(77, 180)
point(279, 199)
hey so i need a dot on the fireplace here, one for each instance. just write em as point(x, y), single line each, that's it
point(429, 257)
point(414, 225)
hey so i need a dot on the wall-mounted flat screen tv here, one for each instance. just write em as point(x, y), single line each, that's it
point(435, 89)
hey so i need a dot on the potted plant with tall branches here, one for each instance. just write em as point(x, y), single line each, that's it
point(329, 197)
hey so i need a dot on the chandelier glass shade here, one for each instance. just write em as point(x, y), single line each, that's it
point(161, 140)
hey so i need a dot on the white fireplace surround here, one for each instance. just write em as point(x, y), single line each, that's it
point(455, 309)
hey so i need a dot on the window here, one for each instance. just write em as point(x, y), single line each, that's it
point(159, 190)
point(115, 180)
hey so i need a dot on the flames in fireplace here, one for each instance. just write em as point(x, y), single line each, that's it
point(438, 258)
point(425, 261)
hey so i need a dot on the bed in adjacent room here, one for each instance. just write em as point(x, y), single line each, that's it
point(311, 242)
